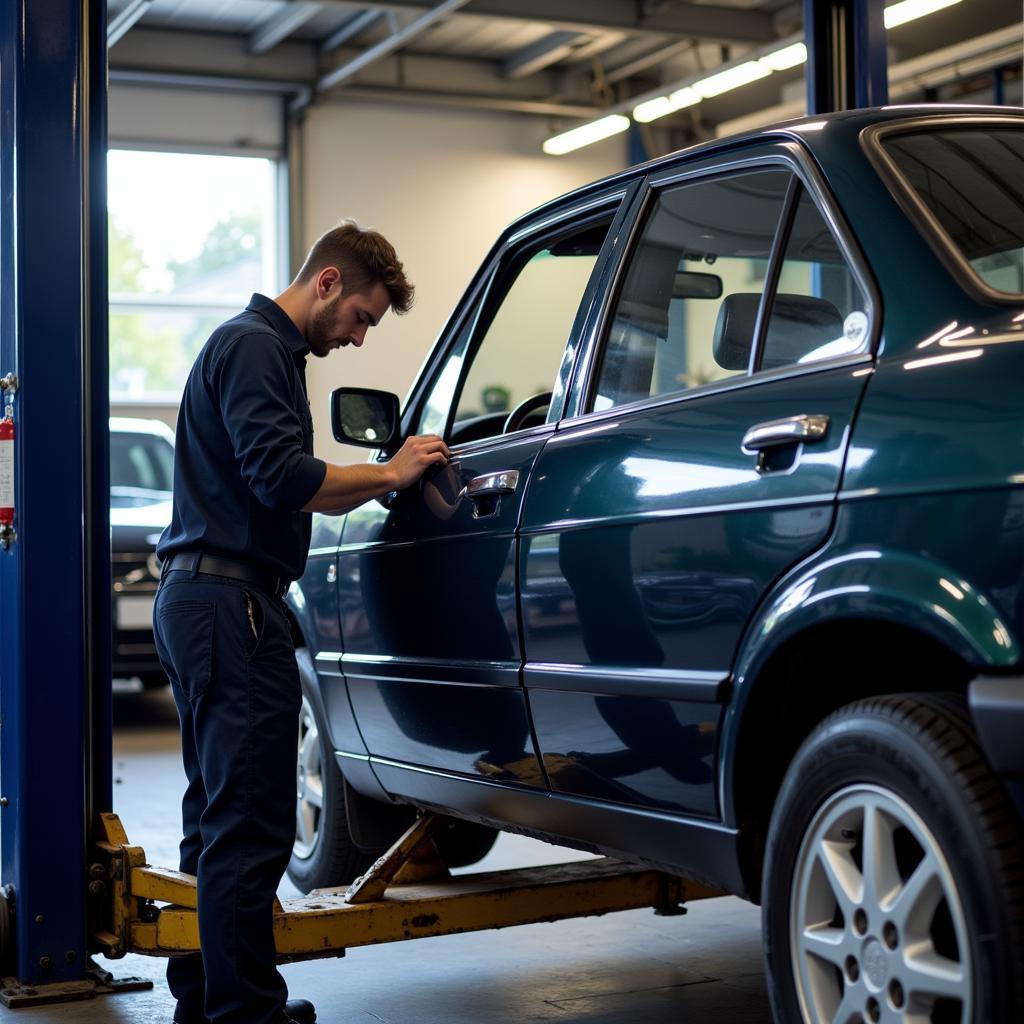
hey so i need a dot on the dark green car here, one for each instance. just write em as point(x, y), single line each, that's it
point(726, 575)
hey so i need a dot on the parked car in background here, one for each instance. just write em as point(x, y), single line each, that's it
point(726, 574)
point(141, 478)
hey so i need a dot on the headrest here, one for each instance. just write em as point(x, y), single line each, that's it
point(799, 324)
point(734, 330)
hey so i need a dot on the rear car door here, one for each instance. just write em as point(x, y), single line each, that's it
point(699, 460)
point(427, 578)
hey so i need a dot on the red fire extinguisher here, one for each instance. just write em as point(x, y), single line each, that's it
point(9, 385)
point(7, 469)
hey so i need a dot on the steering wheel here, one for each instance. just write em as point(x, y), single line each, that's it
point(517, 417)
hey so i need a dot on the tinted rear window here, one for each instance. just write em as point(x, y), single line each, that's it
point(972, 181)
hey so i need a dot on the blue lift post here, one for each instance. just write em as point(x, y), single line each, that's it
point(846, 55)
point(55, 706)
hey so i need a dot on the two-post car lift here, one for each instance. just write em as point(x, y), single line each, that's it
point(73, 884)
point(407, 894)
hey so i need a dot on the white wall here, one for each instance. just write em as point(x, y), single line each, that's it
point(440, 185)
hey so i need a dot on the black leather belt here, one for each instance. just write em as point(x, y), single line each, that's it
point(214, 565)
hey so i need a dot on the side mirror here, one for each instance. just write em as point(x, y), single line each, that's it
point(364, 417)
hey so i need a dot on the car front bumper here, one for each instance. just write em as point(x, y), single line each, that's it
point(997, 707)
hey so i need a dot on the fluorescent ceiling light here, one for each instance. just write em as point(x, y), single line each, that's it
point(787, 57)
point(908, 10)
point(714, 85)
point(592, 131)
point(731, 78)
point(662, 105)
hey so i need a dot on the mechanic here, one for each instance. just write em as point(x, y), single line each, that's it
point(245, 485)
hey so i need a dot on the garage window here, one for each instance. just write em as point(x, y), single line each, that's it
point(191, 237)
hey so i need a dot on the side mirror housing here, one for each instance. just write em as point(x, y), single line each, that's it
point(365, 417)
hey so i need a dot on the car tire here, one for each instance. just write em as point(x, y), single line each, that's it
point(462, 843)
point(324, 853)
point(893, 885)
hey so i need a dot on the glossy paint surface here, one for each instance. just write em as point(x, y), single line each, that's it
point(946, 415)
point(428, 610)
point(598, 638)
point(648, 540)
point(950, 566)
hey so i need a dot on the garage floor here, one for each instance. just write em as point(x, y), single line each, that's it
point(631, 968)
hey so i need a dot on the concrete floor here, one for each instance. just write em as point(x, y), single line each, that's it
point(630, 968)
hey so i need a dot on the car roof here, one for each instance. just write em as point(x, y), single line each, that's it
point(847, 123)
point(132, 425)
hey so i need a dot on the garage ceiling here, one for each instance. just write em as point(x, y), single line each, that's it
point(565, 60)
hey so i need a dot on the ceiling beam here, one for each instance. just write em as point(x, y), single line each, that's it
point(350, 29)
point(388, 46)
point(541, 54)
point(645, 61)
point(119, 25)
point(465, 101)
point(300, 93)
point(281, 25)
point(683, 20)
point(164, 50)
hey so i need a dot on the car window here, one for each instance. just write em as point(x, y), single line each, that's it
point(818, 310)
point(969, 179)
point(688, 306)
point(439, 401)
point(518, 355)
point(140, 462)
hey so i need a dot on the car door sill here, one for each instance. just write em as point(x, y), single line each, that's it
point(706, 851)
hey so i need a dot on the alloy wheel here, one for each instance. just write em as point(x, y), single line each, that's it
point(309, 784)
point(877, 931)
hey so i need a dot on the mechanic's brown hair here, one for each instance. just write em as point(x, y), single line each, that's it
point(364, 257)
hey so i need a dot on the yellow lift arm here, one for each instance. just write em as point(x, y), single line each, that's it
point(406, 894)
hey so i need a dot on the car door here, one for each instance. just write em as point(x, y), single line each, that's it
point(427, 578)
point(700, 460)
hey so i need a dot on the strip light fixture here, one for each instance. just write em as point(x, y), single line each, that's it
point(662, 105)
point(585, 134)
point(738, 75)
point(910, 10)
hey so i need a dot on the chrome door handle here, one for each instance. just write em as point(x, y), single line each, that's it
point(491, 485)
point(791, 430)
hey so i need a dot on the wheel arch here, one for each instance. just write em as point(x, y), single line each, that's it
point(900, 623)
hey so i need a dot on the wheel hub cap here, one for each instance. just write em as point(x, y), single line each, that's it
point(876, 968)
point(877, 928)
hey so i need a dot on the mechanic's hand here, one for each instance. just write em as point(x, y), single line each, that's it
point(415, 457)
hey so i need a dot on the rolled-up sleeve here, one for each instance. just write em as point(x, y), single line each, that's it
point(250, 382)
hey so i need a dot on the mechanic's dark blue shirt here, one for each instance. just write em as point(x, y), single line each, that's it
point(243, 462)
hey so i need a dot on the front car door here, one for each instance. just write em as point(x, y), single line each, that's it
point(699, 460)
point(427, 579)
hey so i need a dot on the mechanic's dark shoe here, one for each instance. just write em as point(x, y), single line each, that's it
point(297, 1011)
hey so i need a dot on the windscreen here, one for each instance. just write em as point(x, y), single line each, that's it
point(140, 462)
point(972, 181)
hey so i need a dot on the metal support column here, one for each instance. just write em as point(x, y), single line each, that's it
point(846, 55)
point(55, 732)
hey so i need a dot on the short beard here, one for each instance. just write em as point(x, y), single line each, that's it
point(320, 330)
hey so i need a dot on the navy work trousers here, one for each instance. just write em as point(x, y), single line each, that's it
point(227, 650)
